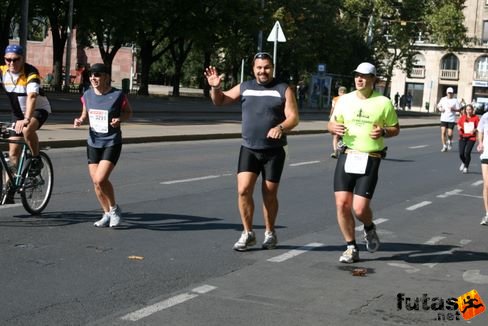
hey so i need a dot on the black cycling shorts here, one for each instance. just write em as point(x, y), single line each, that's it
point(40, 115)
point(360, 184)
point(269, 162)
point(448, 125)
point(95, 155)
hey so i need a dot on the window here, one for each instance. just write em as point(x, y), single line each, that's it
point(484, 36)
point(481, 67)
point(450, 62)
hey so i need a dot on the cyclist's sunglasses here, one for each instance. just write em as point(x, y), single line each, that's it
point(96, 74)
point(12, 59)
point(262, 55)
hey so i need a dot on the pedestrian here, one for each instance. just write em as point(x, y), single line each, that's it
point(105, 108)
point(482, 133)
point(467, 125)
point(269, 112)
point(363, 118)
point(335, 138)
point(448, 106)
point(397, 100)
point(29, 106)
point(409, 100)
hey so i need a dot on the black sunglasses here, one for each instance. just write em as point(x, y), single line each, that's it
point(12, 59)
point(262, 55)
point(96, 74)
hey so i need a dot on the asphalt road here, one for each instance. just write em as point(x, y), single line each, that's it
point(181, 217)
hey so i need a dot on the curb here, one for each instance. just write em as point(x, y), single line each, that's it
point(177, 138)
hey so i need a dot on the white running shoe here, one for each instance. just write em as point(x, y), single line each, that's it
point(484, 220)
point(465, 170)
point(461, 167)
point(270, 240)
point(115, 216)
point(351, 255)
point(444, 148)
point(449, 145)
point(103, 221)
point(247, 239)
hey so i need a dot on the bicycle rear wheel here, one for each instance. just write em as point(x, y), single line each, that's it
point(36, 192)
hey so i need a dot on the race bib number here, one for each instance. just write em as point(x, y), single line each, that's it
point(468, 127)
point(98, 120)
point(356, 162)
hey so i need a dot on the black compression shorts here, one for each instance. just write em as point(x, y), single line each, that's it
point(360, 184)
point(269, 162)
point(95, 155)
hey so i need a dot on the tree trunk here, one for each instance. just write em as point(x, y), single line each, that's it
point(146, 61)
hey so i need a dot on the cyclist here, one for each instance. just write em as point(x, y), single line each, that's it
point(30, 107)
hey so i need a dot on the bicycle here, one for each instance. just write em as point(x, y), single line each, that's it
point(34, 188)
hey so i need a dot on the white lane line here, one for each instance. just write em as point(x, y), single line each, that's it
point(376, 221)
point(443, 253)
point(419, 146)
point(295, 252)
point(304, 163)
point(168, 303)
point(450, 193)
point(190, 179)
point(406, 267)
point(477, 183)
point(472, 196)
point(419, 205)
point(434, 240)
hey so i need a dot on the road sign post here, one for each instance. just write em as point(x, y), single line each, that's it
point(276, 36)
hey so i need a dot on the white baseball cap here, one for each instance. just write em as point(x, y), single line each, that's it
point(366, 68)
point(449, 90)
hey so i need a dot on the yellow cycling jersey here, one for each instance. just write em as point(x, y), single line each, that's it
point(18, 85)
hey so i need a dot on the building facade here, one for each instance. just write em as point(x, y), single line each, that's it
point(40, 54)
point(436, 69)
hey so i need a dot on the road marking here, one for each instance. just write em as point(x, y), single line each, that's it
point(295, 252)
point(450, 193)
point(191, 179)
point(304, 163)
point(477, 183)
point(168, 303)
point(463, 242)
point(419, 146)
point(434, 240)
point(475, 276)
point(472, 196)
point(377, 221)
point(419, 205)
point(406, 267)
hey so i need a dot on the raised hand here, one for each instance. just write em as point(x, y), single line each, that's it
point(213, 78)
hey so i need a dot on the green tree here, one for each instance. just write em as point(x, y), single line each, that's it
point(9, 9)
point(110, 24)
point(57, 13)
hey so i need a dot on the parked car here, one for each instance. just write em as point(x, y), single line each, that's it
point(480, 107)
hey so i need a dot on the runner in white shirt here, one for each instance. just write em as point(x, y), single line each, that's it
point(482, 145)
point(448, 106)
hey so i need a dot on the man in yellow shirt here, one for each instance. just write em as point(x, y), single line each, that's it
point(363, 118)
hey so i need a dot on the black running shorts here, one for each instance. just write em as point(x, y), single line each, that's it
point(95, 155)
point(269, 162)
point(360, 184)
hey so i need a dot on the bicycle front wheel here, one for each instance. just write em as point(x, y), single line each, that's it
point(37, 189)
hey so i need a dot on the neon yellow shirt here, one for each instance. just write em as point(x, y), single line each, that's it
point(359, 116)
